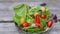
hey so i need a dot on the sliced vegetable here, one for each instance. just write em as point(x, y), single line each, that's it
point(17, 20)
point(33, 29)
point(34, 9)
point(37, 20)
point(43, 16)
point(26, 24)
point(47, 12)
point(49, 23)
point(20, 11)
point(43, 22)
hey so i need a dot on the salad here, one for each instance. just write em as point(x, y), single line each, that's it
point(32, 19)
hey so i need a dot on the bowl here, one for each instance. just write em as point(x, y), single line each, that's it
point(19, 26)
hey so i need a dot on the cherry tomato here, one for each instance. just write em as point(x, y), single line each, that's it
point(25, 24)
point(43, 16)
point(49, 23)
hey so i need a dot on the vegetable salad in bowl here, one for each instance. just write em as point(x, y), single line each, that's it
point(32, 19)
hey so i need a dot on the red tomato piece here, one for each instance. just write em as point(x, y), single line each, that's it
point(37, 20)
point(49, 23)
point(43, 16)
point(25, 24)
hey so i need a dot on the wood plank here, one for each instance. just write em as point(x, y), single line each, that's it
point(6, 12)
point(10, 28)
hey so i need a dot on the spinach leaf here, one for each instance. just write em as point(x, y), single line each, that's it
point(34, 9)
point(20, 11)
point(33, 29)
point(29, 19)
point(43, 21)
point(16, 19)
point(47, 12)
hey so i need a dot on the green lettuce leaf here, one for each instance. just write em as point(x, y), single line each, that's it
point(17, 19)
point(34, 9)
point(47, 12)
point(43, 22)
point(20, 11)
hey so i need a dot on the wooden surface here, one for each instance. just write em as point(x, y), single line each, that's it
point(6, 9)
point(10, 28)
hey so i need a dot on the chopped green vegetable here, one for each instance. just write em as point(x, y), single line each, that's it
point(34, 9)
point(33, 29)
point(17, 20)
point(43, 21)
point(20, 11)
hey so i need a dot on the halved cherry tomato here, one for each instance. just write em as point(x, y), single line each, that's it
point(43, 16)
point(37, 20)
point(49, 23)
point(25, 24)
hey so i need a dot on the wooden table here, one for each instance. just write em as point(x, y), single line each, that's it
point(10, 28)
